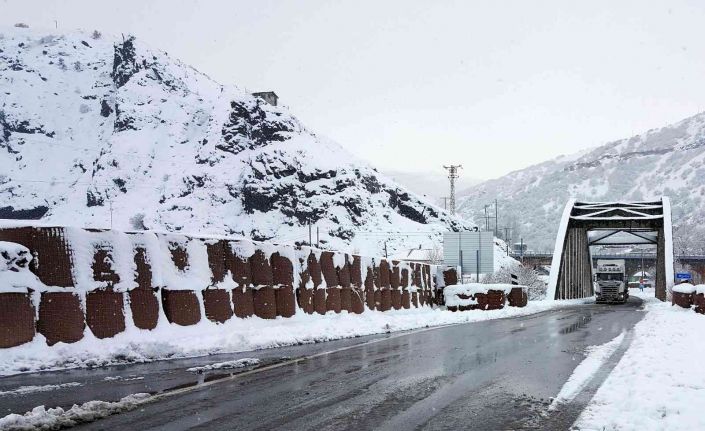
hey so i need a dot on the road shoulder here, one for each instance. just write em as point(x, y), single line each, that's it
point(657, 384)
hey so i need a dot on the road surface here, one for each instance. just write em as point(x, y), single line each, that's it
point(499, 374)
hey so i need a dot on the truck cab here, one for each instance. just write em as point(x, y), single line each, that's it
point(611, 281)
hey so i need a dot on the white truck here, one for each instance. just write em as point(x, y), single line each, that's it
point(611, 281)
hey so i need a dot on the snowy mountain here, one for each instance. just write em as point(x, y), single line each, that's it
point(668, 161)
point(99, 131)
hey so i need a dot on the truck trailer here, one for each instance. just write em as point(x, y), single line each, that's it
point(611, 281)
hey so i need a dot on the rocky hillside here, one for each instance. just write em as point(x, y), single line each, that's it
point(668, 161)
point(100, 131)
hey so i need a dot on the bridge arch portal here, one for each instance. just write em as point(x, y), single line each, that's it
point(584, 224)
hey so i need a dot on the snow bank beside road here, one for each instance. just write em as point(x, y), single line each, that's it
point(596, 358)
point(58, 418)
point(658, 384)
point(238, 335)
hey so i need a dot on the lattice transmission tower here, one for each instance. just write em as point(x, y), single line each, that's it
point(452, 176)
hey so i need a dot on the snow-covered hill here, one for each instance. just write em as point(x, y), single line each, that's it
point(101, 128)
point(668, 161)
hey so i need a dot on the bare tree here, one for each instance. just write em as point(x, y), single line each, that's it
point(435, 255)
point(525, 277)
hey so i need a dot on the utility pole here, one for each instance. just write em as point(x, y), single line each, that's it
point(318, 238)
point(496, 219)
point(445, 203)
point(452, 176)
point(506, 238)
point(385, 250)
point(310, 242)
point(487, 220)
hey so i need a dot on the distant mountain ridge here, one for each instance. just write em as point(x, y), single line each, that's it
point(667, 161)
point(103, 131)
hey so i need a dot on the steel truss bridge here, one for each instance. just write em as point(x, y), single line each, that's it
point(586, 224)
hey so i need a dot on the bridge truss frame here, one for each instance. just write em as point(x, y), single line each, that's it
point(584, 224)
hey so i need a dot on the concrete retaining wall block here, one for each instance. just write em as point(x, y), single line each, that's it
point(181, 307)
point(304, 296)
point(286, 303)
point(218, 260)
point(283, 276)
point(328, 269)
point(518, 297)
point(357, 300)
point(319, 300)
point(344, 276)
point(239, 266)
point(261, 269)
point(405, 299)
point(699, 302)
point(333, 299)
point(243, 301)
point(346, 299)
point(16, 319)
point(681, 299)
point(265, 302)
point(217, 305)
point(493, 300)
point(396, 299)
point(60, 317)
point(104, 313)
point(145, 308)
point(356, 272)
point(450, 277)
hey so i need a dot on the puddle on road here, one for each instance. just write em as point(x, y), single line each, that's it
point(582, 322)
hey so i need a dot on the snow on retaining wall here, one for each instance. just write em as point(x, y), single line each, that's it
point(683, 295)
point(61, 280)
point(471, 296)
point(699, 298)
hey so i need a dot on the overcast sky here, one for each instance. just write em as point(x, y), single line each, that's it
point(411, 85)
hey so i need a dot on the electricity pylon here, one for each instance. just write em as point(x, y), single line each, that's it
point(452, 176)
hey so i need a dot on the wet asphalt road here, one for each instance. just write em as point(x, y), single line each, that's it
point(492, 375)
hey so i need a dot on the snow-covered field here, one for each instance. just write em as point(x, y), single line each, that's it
point(238, 335)
point(658, 384)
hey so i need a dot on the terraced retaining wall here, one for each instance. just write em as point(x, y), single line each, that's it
point(62, 281)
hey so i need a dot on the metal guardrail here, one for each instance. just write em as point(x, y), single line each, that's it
point(613, 256)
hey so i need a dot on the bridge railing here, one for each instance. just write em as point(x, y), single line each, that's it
point(542, 255)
